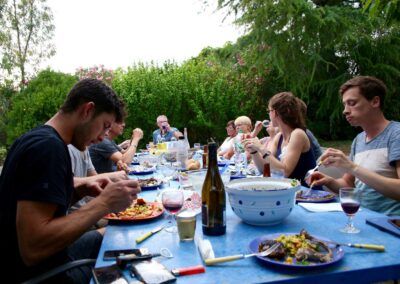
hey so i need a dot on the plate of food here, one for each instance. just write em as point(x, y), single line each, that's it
point(297, 250)
point(139, 210)
point(140, 170)
point(314, 196)
point(149, 183)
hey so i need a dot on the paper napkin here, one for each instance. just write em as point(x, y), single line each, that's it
point(321, 207)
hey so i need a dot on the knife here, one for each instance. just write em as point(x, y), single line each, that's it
point(363, 246)
point(149, 234)
point(212, 261)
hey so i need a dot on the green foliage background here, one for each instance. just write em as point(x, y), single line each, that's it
point(195, 95)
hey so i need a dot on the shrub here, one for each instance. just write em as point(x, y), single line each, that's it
point(3, 154)
point(194, 95)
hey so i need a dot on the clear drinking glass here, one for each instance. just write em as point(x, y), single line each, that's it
point(240, 160)
point(172, 200)
point(350, 200)
point(168, 172)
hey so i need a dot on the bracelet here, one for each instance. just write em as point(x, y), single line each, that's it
point(266, 154)
point(255, 152)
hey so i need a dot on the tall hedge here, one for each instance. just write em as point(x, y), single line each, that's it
point(39, 101)
point(196, 95)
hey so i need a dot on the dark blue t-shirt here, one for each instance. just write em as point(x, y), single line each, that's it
point(37, 168)
point(100, 155)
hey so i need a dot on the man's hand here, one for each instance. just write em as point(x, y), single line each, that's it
point(117, 176)
point(119, 195)
point(92, 186)
point(124, 145)
point(137, 134)
point(336, 158)
point(121, 166)
point(317, 178)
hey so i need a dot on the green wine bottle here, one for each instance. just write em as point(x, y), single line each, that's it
point(213, 197)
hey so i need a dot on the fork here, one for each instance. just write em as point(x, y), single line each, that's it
point(308, 192)
point(310, 172)
point(212, 261)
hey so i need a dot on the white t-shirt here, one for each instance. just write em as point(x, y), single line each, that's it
point(226, 145)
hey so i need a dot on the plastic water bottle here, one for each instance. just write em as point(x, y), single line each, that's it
point(238, 142)
point(182, 152)
point(187, 144)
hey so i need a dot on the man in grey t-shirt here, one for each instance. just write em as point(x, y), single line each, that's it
point(374, 162)
point(82, 168)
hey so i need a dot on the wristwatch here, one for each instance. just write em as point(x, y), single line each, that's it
point(266, 154)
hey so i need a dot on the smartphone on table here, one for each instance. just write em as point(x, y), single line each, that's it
point(113, 254)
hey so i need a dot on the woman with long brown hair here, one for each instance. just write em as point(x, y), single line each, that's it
point(290, 151)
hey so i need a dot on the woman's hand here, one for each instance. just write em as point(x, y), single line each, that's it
point(317, 179)
point(252, 144)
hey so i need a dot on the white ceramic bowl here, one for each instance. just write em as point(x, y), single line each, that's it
point(262, 201)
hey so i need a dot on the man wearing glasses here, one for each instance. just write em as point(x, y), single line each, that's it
point(165, 132)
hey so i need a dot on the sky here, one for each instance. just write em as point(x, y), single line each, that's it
point(119, 33)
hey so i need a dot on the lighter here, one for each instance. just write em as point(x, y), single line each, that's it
point(188, 270)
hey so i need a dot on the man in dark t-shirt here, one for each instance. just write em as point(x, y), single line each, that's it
point(107, 153)
point(37, 187)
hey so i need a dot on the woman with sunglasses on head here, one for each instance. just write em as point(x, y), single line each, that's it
point(290, 151)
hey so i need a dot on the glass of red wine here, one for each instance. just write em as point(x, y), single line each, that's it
point(172, 200)
point(350, 200)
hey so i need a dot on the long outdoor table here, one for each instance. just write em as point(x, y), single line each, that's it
point(357, 266)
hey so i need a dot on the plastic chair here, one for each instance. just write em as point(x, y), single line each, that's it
point(62, 268)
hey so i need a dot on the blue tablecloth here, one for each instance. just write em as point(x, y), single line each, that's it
point(357, 266)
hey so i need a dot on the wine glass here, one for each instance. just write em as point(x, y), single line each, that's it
point(168, 172)
point(172, 200)
point(350, 200)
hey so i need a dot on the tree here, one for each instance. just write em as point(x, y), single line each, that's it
point(389, 9)
point(26, 31)
point(312, 47)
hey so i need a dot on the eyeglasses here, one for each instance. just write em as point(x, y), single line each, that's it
point(270, 110)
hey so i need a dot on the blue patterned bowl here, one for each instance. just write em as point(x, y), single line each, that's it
point(262, 201)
